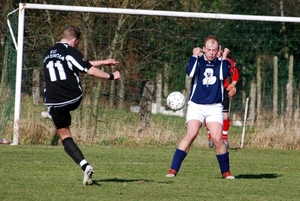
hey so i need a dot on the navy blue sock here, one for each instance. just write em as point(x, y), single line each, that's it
point(178, 157)
point(223, 160)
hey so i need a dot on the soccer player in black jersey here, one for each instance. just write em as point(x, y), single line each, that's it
point(63, 91)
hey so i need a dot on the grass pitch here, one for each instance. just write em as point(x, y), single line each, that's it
point(138, 173)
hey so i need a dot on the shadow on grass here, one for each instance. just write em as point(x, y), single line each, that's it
point(96, 182)
point(124, 180)
point(141, 181)
point(257, 176)
point(234, 148)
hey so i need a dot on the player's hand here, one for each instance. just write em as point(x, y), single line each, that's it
point(197, 51)
point(225, 53)
point(117, 75)
point(111, 62)
point(231, 90)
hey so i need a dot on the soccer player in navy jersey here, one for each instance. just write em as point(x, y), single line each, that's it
point(63, 90)
point(205, 103)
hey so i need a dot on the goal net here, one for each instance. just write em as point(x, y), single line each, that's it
point(151, 45)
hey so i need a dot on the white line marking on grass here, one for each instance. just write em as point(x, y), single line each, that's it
point(131, 163)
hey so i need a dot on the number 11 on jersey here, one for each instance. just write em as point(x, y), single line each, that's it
point(51, 67)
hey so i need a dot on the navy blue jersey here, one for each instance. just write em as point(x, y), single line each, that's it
point(207, 79)
point(62, 64)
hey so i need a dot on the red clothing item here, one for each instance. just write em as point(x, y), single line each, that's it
point(234, 73)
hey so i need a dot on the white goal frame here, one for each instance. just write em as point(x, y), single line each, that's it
point(19, 44)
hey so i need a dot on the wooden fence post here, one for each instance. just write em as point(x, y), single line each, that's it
point(146, 106)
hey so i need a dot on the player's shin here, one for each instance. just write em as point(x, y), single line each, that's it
point(223, 160)
point(178, 157)
point(74, 152)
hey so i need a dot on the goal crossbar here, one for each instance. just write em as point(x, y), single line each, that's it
point(159, 13)
point(24, 6)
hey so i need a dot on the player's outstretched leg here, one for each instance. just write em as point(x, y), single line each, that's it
point(46, 115)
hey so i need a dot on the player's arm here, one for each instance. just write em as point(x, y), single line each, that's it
point(234, 77)
point(193, 62)
point(93, 71)
point(90, 67)
point(225, 53)
point(233, 83)
point(225, 63)
point(110, 62)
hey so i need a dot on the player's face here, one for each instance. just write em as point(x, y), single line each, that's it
point(211, 49)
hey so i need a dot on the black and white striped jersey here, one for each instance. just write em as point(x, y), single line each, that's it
point(62, 64)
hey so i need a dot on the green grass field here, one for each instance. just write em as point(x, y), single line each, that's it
point(138, 173)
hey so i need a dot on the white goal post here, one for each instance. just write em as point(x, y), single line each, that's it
point(24, 6)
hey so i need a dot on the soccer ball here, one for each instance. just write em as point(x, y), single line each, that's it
point(175, 100)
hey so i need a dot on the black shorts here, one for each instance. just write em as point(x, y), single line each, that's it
point(61, 117)
point(225, 102)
